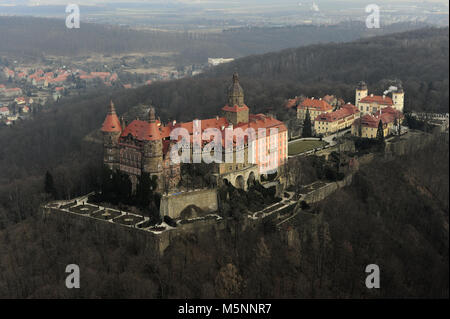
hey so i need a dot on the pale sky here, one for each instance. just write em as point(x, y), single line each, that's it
point(206, 2)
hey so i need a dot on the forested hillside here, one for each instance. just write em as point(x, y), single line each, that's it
point(420, 59)
point(385, 217)
point(39, 37)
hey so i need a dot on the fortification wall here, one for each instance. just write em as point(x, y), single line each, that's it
point(173, 205)
point(411, 142)
point(326, 190)
point(153, 244)
point(150, 243)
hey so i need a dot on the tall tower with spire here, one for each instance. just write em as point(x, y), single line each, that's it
point(236, 111)
point(152, 159)
point(111, 130)
point(235, 92)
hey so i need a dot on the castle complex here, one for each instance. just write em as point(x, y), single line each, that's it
point(374, 103)
point(374, 108)
point(145, 146)
point(363, 117)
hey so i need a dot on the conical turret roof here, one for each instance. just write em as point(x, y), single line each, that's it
point(112, 122)
point(152, 133)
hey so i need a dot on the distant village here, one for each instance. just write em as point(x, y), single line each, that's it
point(25, 91)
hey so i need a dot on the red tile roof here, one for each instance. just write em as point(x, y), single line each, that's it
point(60, 78)
point(101, 74)
point(143, 130)
point(113, 77)
point(317, 105)
point(369, 120)
point(386, 100)
point(235, 108)
point(86, 77)
point(111, 123)
point(8, 71)
point(388, 115)
point(343, 112)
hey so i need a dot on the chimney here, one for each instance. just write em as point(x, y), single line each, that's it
point(371, 95)
point(384, 96)
point(312, 98)
point(217, 117)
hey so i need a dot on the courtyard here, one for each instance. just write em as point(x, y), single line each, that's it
point(301, 146)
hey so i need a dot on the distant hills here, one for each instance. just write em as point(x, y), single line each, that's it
point(41, 36)
point(420, 59)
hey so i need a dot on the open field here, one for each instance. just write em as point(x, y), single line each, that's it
point(304, 146)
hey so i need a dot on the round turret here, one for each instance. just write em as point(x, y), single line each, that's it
point(111, 129)
point(152, 160)
point(361, 92)
point(361, 86)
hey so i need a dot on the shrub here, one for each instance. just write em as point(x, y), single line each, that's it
point(169, 221)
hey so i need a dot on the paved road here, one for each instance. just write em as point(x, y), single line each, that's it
point(329, 139)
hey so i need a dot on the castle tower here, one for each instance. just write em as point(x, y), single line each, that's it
point(236, 111)
point(361, 92)
point(398, 97)
point(153, 153)
point(111, 130)
point(235, 92)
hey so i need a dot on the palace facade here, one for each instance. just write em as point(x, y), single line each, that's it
point(144, 146)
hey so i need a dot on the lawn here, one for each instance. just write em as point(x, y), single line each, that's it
point(304, 146)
